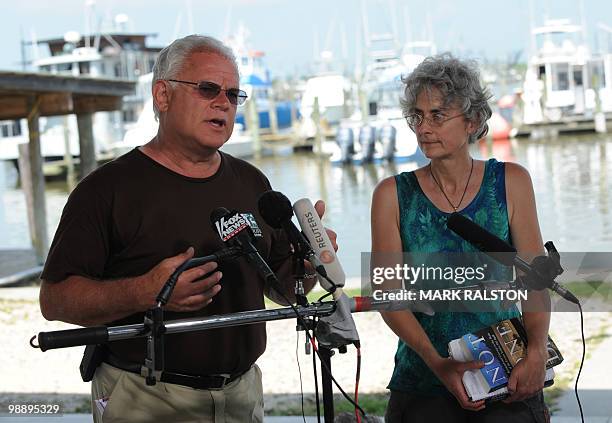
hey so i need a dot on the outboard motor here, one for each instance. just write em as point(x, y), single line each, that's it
point(367, 140)
point(388, 135)
point(345, 140)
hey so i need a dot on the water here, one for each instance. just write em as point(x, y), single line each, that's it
point(572, 178)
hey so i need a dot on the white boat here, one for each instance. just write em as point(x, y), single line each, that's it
point(379, 129)
point(564, 80)
point(332, 92)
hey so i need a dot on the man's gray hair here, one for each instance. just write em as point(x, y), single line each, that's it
point(171, 59)
point(459, 84)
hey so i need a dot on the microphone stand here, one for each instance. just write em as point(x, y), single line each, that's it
point(155, 330)
point(104, 334)
point(326, 354)
point(542, 271)
point(154, 317)
point(299, 272)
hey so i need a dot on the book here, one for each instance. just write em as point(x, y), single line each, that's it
point(500, 346)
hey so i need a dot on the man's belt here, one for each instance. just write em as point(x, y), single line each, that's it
point(191, 381)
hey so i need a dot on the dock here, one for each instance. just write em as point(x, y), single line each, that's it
point(565, 126)
point(18, 267)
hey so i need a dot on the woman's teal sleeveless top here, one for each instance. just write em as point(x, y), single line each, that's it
point(423, 230)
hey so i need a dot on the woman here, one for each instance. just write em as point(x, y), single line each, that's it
point(447, 108)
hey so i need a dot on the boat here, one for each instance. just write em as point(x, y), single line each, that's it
point(378, 129)
point(256, 80)
point(330, 95)
point(565, 85)
point(109, 54)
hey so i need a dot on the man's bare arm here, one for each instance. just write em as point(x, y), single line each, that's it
point(88, 302)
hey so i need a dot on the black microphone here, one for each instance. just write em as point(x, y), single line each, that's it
point(225, 254)
point(235, 231)
point(276, 210)
point(482, 239)
point(537, 277)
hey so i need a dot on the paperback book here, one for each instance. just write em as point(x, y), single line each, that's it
point(500, 346)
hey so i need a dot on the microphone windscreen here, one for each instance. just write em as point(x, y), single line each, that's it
point(318, 239)
point(481, 238)
point(275, 208)
point(217, 214)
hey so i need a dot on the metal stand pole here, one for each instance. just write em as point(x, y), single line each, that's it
point(326, 383)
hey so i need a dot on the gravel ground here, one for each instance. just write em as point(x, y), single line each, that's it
point(28, 371)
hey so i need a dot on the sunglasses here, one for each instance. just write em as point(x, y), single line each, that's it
point(209, 90)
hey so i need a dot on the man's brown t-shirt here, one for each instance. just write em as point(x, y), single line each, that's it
point(130, 214)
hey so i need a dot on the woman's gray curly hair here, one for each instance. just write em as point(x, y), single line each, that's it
point(172, 58)
point(459, 84)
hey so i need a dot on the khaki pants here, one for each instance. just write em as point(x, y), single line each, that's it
point(120, 396)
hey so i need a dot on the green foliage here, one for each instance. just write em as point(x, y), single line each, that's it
point(374, 404)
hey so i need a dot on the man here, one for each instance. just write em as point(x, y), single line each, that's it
point(128, 225)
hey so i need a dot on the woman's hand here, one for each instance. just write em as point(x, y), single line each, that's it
point(450, 372)
point(527, 377)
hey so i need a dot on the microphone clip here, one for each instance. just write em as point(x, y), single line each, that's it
point(154, 358)
point(544, 269)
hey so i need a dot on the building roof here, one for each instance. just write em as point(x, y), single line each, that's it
point(58, 94)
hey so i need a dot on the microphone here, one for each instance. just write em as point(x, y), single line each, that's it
point(225, 254)
point(319, 241)
point(482, 239)
point(276, 210)
point(235, 230)
point(537, 275)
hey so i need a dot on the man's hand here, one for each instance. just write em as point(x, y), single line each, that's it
point(320, 208)
point(189, 294)
point(450, 372)
point(527, 377)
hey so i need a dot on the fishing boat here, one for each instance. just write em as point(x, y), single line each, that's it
point(255, 78)
point(377, 131)
point(565, 84)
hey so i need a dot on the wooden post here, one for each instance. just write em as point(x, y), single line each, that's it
point(292, 109)
point(272, 112)
point(252, 122)
point(363, 103)
point(86, 143)
point(33, 183)
point(316, 118)
point(70, 174)
point(3, 169)
point(600, 116)
point(600, 123)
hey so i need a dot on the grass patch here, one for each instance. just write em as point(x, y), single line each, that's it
point(314, 295)
point(585, 290)
point(84, 407)
point(374, 404)
point(551, 397)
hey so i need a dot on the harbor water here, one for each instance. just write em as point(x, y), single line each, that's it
point(572, 178)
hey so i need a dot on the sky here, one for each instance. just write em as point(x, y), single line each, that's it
point(292, 32)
